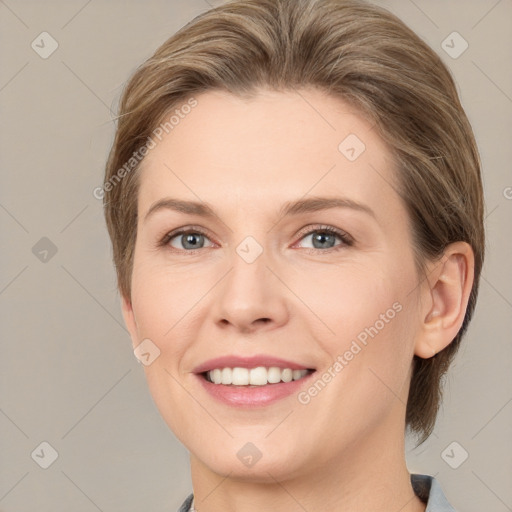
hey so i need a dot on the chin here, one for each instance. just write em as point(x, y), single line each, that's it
point(265, 470)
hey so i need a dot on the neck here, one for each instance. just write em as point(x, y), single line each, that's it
point(370, 474)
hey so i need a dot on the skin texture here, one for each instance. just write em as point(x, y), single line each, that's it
point(344, 450)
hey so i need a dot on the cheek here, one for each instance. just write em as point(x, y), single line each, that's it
point(162, 303)
point(350, 299)
point(163, 299)
point(371, 313)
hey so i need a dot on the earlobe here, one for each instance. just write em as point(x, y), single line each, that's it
point(447, 290)
point(129, 319)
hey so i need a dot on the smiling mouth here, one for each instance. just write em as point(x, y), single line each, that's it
point(254, 377)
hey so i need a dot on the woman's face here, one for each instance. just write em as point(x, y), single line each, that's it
point(260, 279)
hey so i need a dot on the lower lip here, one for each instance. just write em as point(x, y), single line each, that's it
point(257, 396)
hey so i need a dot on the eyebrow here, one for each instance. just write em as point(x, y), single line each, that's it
point(315, 204)
point(298, 207)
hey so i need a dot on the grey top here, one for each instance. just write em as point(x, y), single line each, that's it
point(426, 487)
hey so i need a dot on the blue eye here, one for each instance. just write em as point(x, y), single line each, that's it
point(325, 238)
point(189, 240)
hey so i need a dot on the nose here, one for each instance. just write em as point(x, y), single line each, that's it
point(250, 297)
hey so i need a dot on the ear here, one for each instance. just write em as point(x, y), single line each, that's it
point(129, 319)
point(444, 299)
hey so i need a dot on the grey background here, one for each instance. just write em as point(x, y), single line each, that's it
point(67, 372)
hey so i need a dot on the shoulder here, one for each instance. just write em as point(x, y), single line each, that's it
point(185, 507)
point(428, 489)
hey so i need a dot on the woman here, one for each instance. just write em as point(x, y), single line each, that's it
point(295, 206)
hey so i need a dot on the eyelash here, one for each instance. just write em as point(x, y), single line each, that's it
point(346, 239)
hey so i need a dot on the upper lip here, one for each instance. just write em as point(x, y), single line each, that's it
point(248, 362)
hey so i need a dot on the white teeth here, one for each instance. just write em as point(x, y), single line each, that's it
point(274, 375)
point(259, 376)
point(297, 374)
point(226, 376)
point(217, 375)
point(240, 377)
point(287, 375)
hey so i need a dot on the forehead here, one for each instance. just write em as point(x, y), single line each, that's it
point(271, 148)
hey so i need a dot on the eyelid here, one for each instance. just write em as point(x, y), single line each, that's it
point(168, 236)
point(346, 238)
point(325, 227)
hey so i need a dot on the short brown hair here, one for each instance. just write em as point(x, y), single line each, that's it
point(355, 51)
